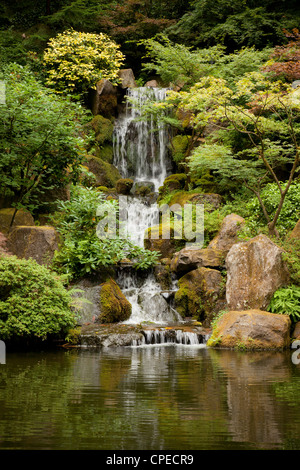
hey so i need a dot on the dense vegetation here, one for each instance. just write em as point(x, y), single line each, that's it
point(233, 115)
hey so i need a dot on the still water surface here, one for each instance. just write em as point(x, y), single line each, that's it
point(149, 398)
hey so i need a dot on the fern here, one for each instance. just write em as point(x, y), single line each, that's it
point(286, 300)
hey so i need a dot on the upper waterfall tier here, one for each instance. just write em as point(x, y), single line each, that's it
point(140, 145)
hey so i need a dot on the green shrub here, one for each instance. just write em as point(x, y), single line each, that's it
point(290, 212)
point(75, 61)
point(286, 300)
point(34, 304)
point(82, 252)
point(41, 142)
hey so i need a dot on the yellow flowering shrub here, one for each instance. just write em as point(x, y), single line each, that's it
point(75, 61)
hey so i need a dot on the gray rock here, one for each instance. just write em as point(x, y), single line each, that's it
point(255, 270)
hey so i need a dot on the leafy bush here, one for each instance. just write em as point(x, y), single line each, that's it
point(286, 300)
point(82, 252)
point(75, 61)
point(34, 304)
point(290, 212)
point(41, 144)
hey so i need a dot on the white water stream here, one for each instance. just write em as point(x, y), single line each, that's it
point(140, 152)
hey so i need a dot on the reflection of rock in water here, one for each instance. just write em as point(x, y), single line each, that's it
point(87, 301)
point(248, 408)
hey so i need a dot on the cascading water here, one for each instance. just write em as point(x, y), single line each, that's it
point(140, 152)
point(140, 146)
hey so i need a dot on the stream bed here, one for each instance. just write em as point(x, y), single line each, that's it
point(162, 397)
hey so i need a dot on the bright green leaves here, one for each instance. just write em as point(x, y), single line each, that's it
point(75, 61)
point(41, 144)
point(82, 252)
point(34, 304)
point(286, 300)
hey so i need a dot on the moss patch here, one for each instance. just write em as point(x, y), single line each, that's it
point(105, 173)
point(103, 129)
point(114, 305)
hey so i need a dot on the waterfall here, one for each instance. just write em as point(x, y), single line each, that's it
point(141, 153)
point(169, 337)
point(140, 146)
point(147, 300)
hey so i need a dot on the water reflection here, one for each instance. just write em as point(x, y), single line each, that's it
point(153, 397)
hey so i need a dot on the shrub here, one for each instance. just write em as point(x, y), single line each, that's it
point(34, 304)
point(41, 143)
point(82, 252)
point(290, 212)
point(286, 300)
point(75, 61)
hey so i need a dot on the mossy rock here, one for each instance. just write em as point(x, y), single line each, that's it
point(143, 188)
point(105, 173)
point(251, 330)
point(160, 238)
point(179, 146)
point(114, 305)
point(124, 185)
point(103, 129)
point(22, 217)
point(163, 276)
point(200, 294)
point(105, 152)
point(173, 182)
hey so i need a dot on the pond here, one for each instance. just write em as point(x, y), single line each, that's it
point(160, 397)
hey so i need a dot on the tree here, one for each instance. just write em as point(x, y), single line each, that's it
point(285, 60)
point(236, 23)
point(75, 61)
point(41, 143)
point(266, 113)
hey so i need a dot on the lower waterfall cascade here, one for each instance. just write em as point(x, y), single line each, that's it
point(140, 153)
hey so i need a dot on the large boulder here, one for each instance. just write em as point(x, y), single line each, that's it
point(38, 243)
point(200, 294)
point(113, 303)
point(105, 173)
point(127, 79)
point(160, 238)
point(228, 234)
point(255, 270)
point(189, 259)
point(22, 217)
point(104, 99)
point(251, 329)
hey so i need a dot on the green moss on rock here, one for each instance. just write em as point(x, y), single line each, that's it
point(114, 305)
point(179, 146)
point(124, 185)
point(105, 173)
point(173, 182)
point(103, 129)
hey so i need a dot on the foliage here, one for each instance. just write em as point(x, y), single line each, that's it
point(182, 65)
point(177, 63)
point(285, 60)
point(236, 23)
point(262, 110)
point(290, 212)
point(41, 146)
point(286, 300)
point(75, 61)
point(291, 257)
point(82, 251)
point(34, 304)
